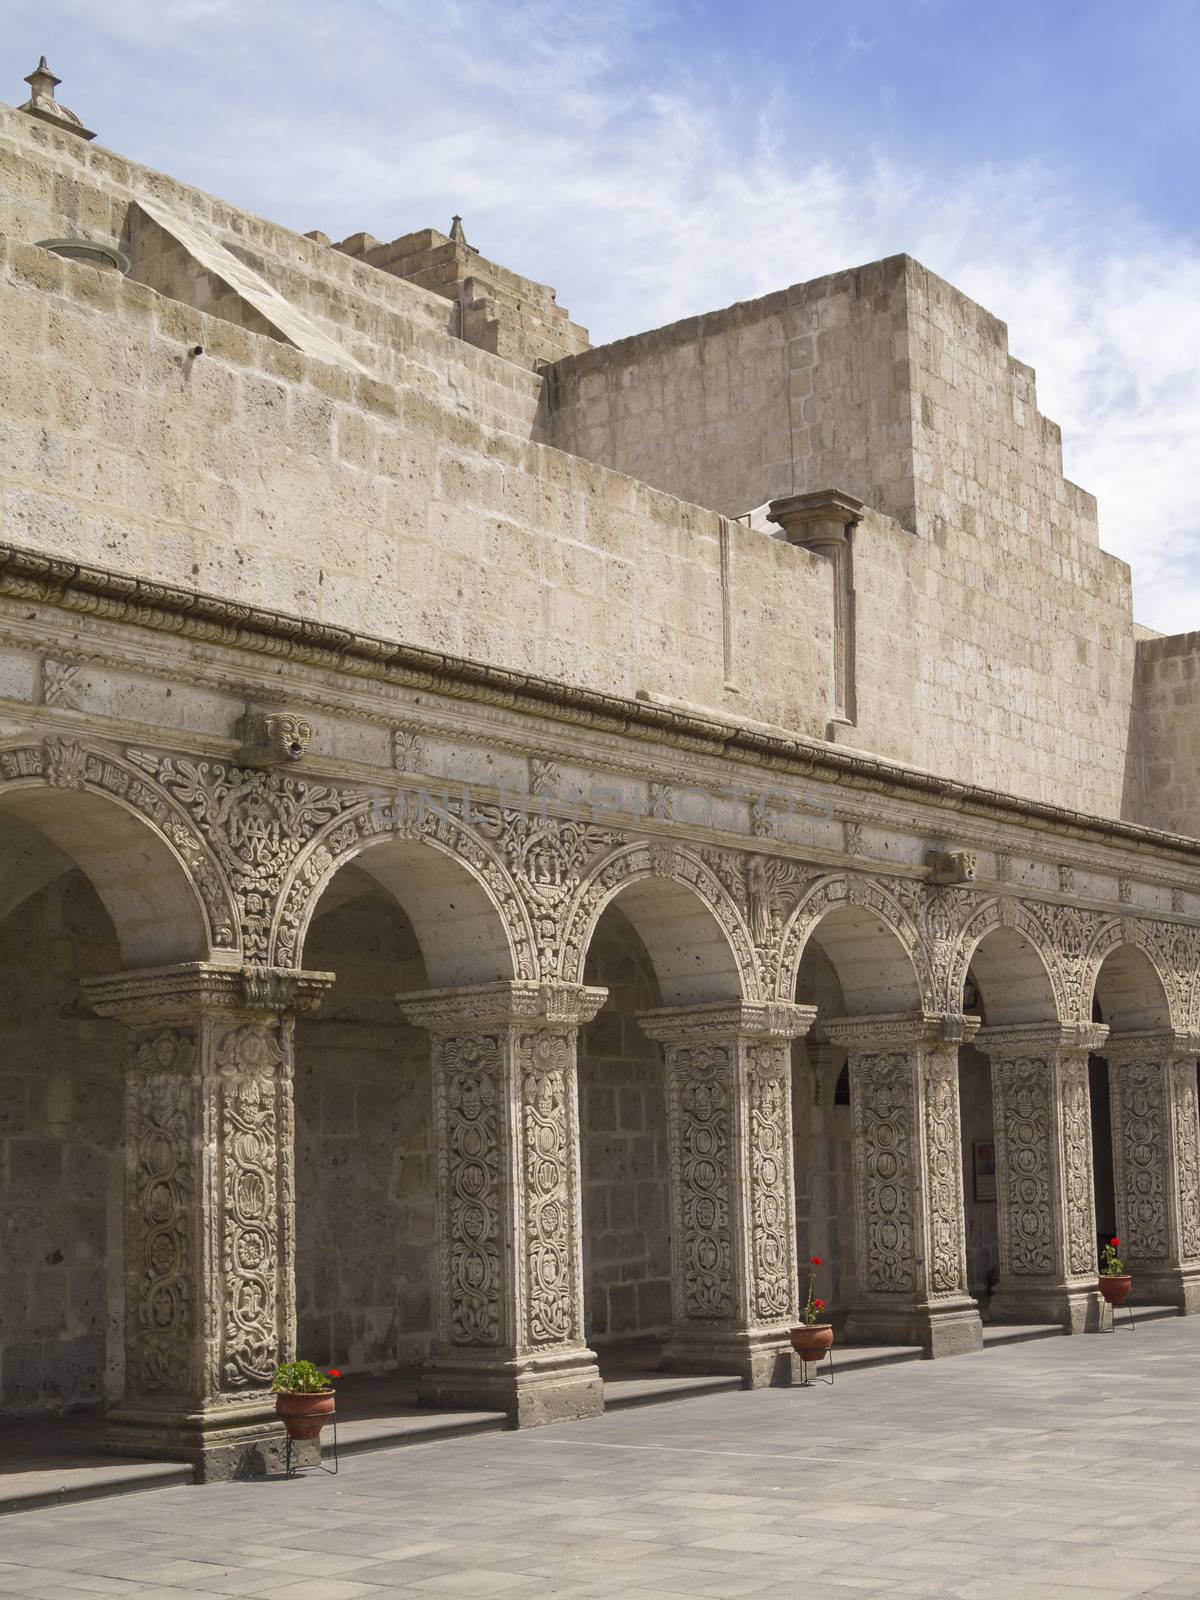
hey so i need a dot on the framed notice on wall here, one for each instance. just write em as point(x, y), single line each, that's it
point(985, 1169)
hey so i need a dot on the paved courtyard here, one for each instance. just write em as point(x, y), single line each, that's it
point(1065, 1468)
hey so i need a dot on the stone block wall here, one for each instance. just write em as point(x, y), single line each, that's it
point(498, 310)
point(804, 389)
point(61, 1158)
point(993, 640)
point(623, 1124)
point(1163, 784)
point(993, 637)
point(261, 474)
point(365, 1224)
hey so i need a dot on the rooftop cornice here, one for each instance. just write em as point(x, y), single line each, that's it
point(116, 597)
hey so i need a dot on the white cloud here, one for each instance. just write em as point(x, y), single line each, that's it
point(582, 150)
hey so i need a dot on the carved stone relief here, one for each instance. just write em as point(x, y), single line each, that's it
point(773, 1289)
point(1077, 1165)
point(1187, 1156)
point(701, 1094)
point(68, 764)
point(546, 1068)
point(881, 1097)
point(256, 822)
point(160, 1192)
point(1138, 1105)
point(1024, 1128)
point(469, 1106)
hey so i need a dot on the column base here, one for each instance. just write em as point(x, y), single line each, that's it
point(242, 1440)
point(949, 1329)
point(1166, 1286)
point(533, 1390)
point(762, 1359)
point(1074, 1308)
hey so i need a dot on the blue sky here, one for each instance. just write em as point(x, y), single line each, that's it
point(653, 160)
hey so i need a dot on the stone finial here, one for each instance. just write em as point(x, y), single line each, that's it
point(816, 519)
point(457, 236)
point(41, 102)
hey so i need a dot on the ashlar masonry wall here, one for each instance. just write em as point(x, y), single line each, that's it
point(365, 1227)
point(62, 1169)
point(1164, 760)
point(623, 1145)
point(993, 637)
point(411, 499)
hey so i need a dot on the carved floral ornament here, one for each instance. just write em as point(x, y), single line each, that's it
point(260, 845)
point(61, 763)
point(633, 863)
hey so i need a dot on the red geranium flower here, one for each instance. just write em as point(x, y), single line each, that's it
point(334, 1373)
point(819, 1304)
point(1114, 1243)
point(816, 1261)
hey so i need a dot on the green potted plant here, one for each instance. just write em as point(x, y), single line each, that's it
point(1115, 1282)
point(814, 1338)
point(304, 1397)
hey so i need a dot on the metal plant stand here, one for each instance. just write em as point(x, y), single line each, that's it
point(811, 1373)
point(1112, 1318)
point(293, 1470)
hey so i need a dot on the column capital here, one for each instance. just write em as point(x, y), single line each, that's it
point(1161, 1044)
point(164, 994)
point(898, 1030)
point(743, 1019)
point(819, 519)
point(503, 1004)
point(1041, 1038)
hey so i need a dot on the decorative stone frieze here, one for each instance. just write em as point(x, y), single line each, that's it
point(506, 1120)
point(1042, 1109)
point(255, 822)
point(67, 764)
point(1156, 1163)
point(733, 1202)
point(911, 1232)
point(209, 1206)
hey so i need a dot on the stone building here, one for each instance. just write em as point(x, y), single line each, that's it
point(507, 844)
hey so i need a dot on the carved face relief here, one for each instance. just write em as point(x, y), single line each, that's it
point(274, 738)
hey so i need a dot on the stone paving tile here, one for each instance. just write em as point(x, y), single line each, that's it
point(1046, 1471)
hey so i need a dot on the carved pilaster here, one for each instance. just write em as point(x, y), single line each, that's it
point(733, 1199)
point(510, 1311)
point(1040, 1098)
point(210, 1205)
point(1156, 1163)
point(911, 1246)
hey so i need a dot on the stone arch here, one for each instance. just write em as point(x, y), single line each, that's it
point(1126, 979)
point(1020, 975)
point(1017, 976)
point(465, 908)
point(870, 939)
point(693, 932)
point(153, 871)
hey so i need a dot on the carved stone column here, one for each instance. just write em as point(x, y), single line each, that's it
point(729, 1099)
point(209, 1207)
point(911, 1229)
point(506, 1119)
point(1047, 1211)
point(1156, 1161)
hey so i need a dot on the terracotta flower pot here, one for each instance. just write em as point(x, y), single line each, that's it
point(812, 1342)
point(1115, 1287)
point(304, 1415)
